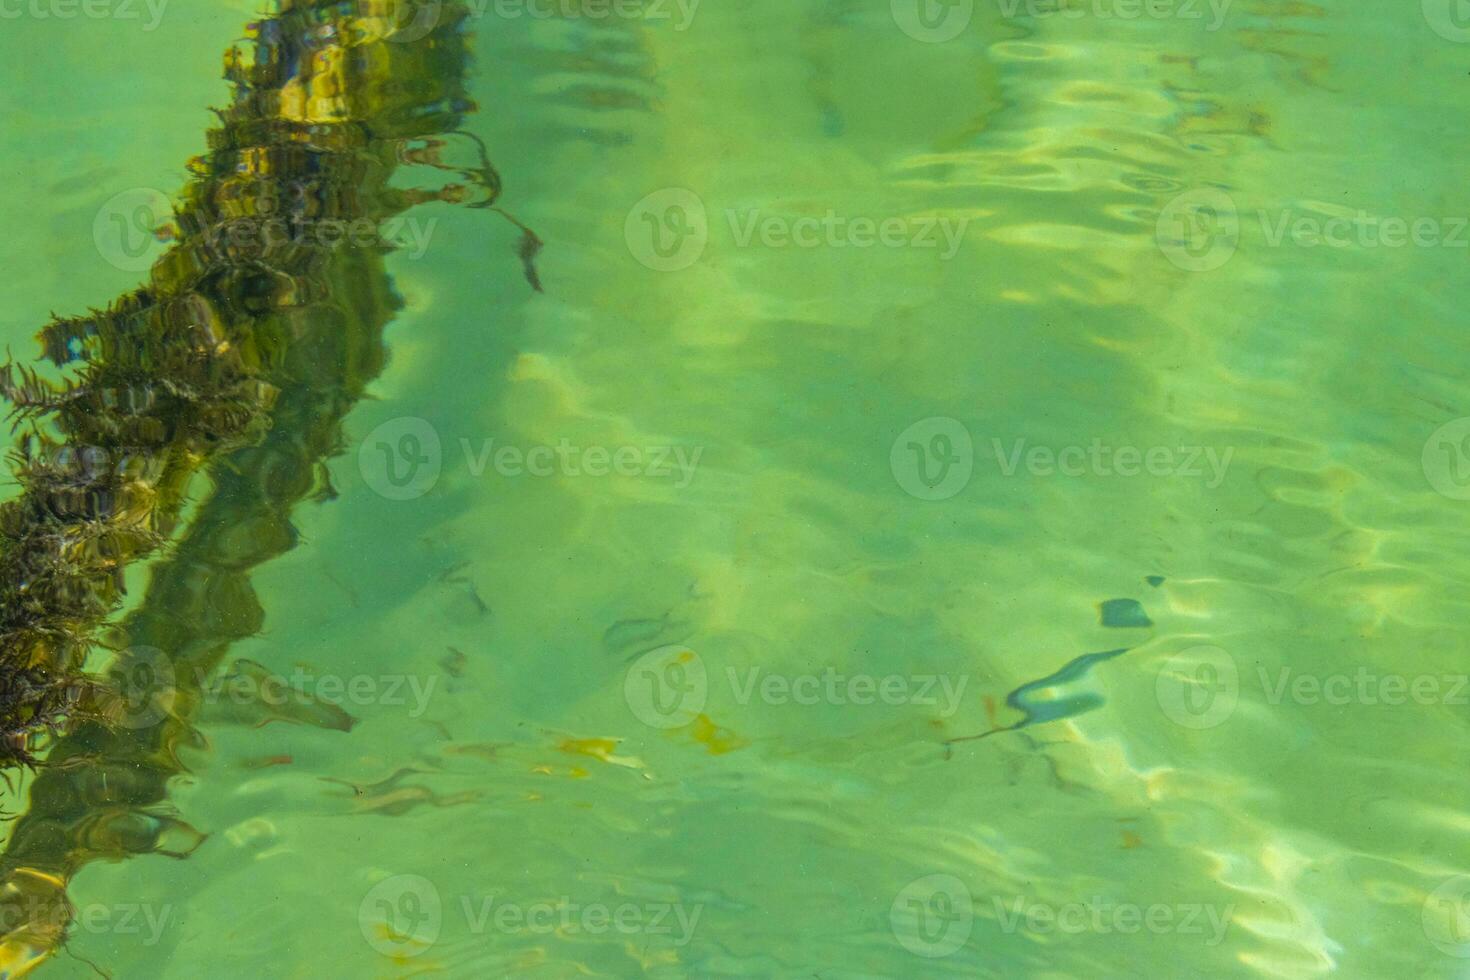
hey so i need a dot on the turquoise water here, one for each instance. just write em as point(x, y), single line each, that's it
point(901, 373)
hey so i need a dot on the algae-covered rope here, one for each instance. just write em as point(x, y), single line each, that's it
point(250, 343)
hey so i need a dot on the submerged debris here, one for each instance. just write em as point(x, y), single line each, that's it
point(1062, 704)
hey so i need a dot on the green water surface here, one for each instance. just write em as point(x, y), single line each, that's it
point(882, 348)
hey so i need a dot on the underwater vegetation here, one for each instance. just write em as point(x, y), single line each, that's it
point(237, 360)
